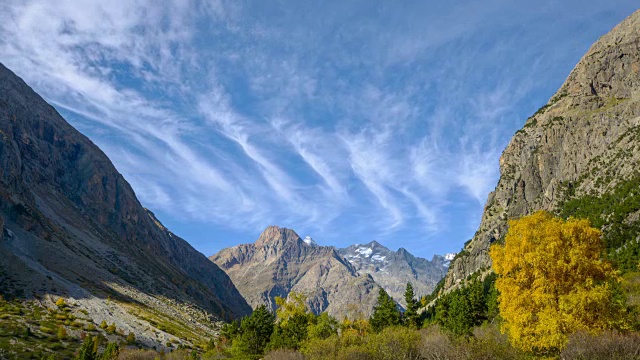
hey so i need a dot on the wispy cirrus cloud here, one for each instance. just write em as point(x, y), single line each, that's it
point(349, 120)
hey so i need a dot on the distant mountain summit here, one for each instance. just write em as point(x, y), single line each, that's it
point(309, 241)
point(280, 262)
point(393, 269)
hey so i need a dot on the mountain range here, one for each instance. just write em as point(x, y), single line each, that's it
point(394, 269)
point(343, 282)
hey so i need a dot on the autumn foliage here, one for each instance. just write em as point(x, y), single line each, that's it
point(553, 282)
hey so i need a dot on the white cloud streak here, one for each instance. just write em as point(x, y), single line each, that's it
point(218, 113)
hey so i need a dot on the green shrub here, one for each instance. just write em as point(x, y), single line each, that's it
point(319, 349)
point(356, 353)
point(488, 343)
point(394, 343)
point(111, 329)
point(131, 338)
point(62, 333)
point(284, 354)
point(110, 352)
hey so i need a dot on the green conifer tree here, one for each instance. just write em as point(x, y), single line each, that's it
point(110, 352)
point(411, 317)
point(256, 330)
point(385, 313)
point(87, 351)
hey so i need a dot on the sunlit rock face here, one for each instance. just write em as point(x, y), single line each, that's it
point(585, 140)
point(280, 262)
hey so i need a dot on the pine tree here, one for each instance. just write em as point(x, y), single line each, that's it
point(110, 352)
point(256, 330)
point(459, 318)
point(87, 351)
point(411, 316)
point(385, 313)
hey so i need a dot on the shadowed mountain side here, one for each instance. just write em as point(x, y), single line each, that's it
point(72, 226)
point(280, 262)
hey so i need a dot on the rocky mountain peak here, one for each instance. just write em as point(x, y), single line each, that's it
point(280, 262)
point(393, 269)
point(584, 141)
point(277, 236)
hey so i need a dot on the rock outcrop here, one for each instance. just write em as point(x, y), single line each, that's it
point(585, 140)
point(280, 262)
point(78, 230)
point(393, 269)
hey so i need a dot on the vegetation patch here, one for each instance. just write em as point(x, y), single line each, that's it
point(613, 212)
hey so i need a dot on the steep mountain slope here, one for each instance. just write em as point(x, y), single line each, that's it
point(280, 262)
point(578, 155)
point(392, 270)
point(73, 227)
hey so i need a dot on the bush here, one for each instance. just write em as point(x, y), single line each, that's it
point(62, 333)
point(284, 354)
point(609, 345)
point(61, 303)
point(356, 353)
point(103, 325)
point(395, 343)
point(111, 329)
point(435, 344)
point(488, 344)
point(131, 338)
point(320, 349)
point(127, 354)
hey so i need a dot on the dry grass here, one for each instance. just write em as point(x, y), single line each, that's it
point(609, 345)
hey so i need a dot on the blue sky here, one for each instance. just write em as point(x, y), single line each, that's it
point(345, 120)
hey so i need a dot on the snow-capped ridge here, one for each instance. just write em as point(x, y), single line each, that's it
point(309, 241)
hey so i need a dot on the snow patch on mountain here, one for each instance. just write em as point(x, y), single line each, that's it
point(309, 241)
point(377, 257)
point(365, 251)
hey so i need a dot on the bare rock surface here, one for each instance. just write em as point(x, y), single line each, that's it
point(394, 269)
point(585, 140)
point(73, 228)
point(280, 262)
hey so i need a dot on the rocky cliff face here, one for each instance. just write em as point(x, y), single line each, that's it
point(280, 262)
point(393, 269)
point(584, 141)
point(78, 230)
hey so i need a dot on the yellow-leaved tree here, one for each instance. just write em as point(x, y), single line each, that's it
point(553, 282)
